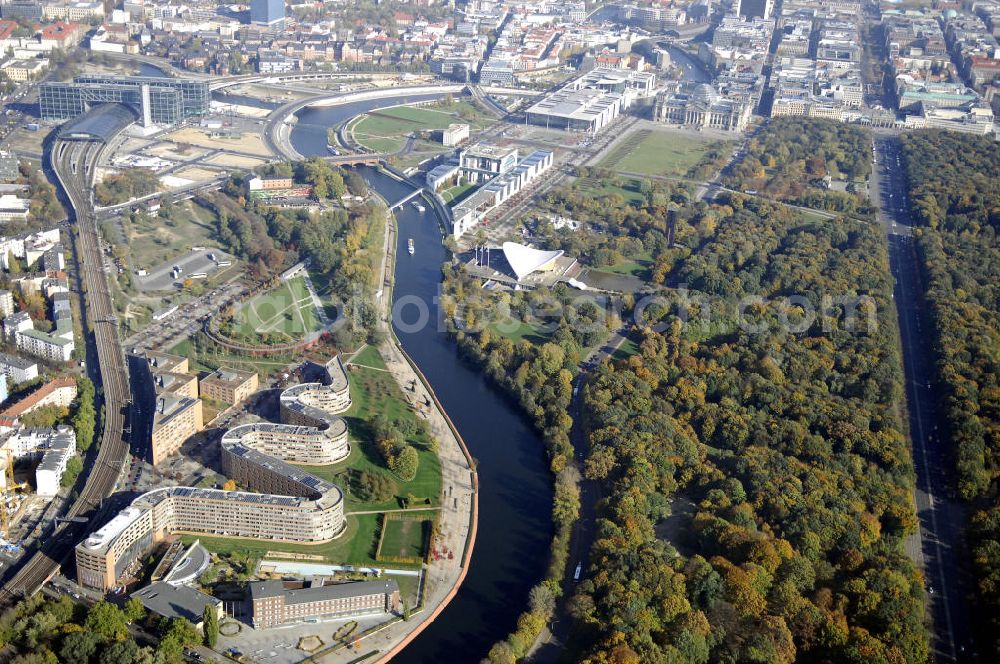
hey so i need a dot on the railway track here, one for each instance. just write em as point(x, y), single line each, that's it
point(73, 163)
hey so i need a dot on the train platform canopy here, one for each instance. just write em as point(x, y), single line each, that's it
point(524, 260)
point(100, 123)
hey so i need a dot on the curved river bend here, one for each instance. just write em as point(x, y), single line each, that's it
point(515, 494)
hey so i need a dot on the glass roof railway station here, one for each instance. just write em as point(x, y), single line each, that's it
point(155, 101)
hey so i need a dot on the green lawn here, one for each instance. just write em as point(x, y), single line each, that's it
point(628, 348)
point(634, 267)
point(285, 313)
point(628, 188)
point(406, 538)
point(523, 330)
point(813, 217)
point(375, 392)
point(386, 130)
point(369, 357)
point(458, 193)
point(658, 153)
point(381, 143)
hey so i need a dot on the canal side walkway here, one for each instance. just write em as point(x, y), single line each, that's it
point(457, 516)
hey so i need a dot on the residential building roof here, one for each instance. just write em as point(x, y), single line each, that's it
point(30, 401)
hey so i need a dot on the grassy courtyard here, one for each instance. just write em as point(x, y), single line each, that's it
point(458, 193)
point(281, 315)
point(658, 153)
point(405, 537)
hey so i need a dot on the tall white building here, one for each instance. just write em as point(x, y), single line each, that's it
point(44, 345)
point(55, 447)
point(6, 303)
point(18, 369)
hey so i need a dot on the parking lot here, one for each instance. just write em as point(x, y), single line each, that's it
point(198, 262)
point(188, 318)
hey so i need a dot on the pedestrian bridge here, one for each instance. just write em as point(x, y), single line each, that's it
point(406, 199)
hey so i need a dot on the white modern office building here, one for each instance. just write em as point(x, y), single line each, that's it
point(590, 102)
point(470, 212)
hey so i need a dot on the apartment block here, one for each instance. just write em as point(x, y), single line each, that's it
point(18, 369)
point(228, 385)
point(57, 392)
point(51, 347)
point(174, 421)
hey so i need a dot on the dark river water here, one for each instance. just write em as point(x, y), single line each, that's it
point(245, 100)
point(146, 69)
point(515, 494)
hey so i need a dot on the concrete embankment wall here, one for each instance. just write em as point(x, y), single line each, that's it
point(384, 93)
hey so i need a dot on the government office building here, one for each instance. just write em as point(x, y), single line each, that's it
point(271, 604)
point(295, 505)
point(162, 101)
point(112, 551)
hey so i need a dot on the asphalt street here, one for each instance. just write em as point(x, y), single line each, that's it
point(940, 545)
point(549, 648)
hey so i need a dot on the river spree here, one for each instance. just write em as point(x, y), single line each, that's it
point(515, 496)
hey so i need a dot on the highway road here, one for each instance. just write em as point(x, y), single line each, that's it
point(73, 163)
point(939, 547)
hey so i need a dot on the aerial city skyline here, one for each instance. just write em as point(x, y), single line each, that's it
point(499, 331)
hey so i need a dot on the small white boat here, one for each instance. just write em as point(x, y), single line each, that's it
point(332, 150)
point(409, 246)
point(420, 208)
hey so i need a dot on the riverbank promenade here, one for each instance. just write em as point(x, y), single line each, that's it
point(456, 525)
point(457, 518)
